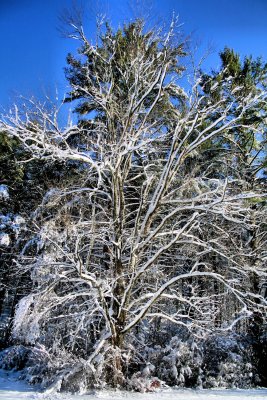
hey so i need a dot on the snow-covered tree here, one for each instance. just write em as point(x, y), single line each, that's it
point(144, 238)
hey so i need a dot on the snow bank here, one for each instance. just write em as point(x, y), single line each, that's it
point(13, 389)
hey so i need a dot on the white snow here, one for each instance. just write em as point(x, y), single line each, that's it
point(8, 222)
point(13, 389)
point(4, 239)
point(4, 192)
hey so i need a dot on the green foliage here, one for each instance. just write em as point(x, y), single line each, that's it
point(230, 86)
point(10, 151)
point(113, 66)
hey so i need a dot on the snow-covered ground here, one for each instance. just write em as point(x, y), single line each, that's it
point(13, 389)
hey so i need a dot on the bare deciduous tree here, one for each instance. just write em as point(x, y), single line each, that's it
point(145, 236)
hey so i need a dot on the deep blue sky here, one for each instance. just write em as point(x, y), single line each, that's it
point(33, 51)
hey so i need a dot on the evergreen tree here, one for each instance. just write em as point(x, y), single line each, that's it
point(245, 145)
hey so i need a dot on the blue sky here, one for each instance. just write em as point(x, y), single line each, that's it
point(33, 51)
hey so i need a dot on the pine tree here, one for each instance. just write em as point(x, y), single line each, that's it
point(244, 146)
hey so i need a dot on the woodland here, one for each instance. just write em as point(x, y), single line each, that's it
point(133, 239)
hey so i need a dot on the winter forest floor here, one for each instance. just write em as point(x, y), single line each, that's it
point(12, 389)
